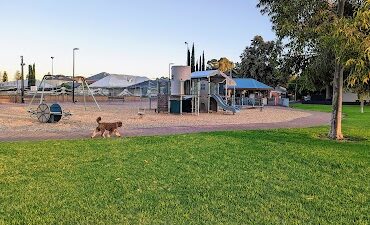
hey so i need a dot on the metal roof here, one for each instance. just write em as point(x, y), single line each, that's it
point(212, 73)
point(204, 74)
point(249, 83)
point(118, 81)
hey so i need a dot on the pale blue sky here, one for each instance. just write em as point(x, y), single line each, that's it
point(137, 37)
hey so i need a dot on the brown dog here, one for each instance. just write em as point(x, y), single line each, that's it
point(105, 128)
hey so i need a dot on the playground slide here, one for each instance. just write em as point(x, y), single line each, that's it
point(221, 103)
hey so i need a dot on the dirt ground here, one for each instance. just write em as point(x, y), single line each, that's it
point(17, 124)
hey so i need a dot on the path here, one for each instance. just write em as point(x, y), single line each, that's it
point(314, 119)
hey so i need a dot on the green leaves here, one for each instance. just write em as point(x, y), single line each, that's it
point(262, 61)
point(357, 37)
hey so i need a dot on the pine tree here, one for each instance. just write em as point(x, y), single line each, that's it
point(203, 63)
point(197, 66)
point(200, 63)
point(31, 75)
point(192, 59)
point(5, 77)
point(188, 58)
point(34, 71)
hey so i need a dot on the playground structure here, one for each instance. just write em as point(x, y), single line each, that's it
point(54, 113)
point(198, 92)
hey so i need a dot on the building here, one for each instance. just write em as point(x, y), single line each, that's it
point(116, 84)
point(17, 85)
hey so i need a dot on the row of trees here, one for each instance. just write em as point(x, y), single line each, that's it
point(31, 76)
point(198, 65)
point(328, 43)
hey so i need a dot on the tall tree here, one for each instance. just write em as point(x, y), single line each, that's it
point(34, 71)
point(200, 63)
point(197, 66)
point(192, 64)
point(31, 75)
point(5, 77)
point(188, 58)
point(298, 22)
point(203, 63)
point(262, 61)
point(17, 75)
point(336, 120)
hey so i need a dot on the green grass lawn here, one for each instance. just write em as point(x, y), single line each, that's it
point(245, 177)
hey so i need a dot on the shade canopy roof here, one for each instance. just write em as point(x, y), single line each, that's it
point(118, 81)
point(213, 73)
point(249, 84)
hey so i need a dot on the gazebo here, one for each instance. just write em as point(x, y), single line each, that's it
point(248, 90)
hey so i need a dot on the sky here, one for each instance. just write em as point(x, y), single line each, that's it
point(136, 37)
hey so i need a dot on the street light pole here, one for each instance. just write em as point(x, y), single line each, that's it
point(52, 65)
point(73, 76)
point(187, 50)
point(169, 87)
point(22, 83)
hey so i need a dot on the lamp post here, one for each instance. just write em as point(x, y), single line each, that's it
point(52, 65)
point(73, 75)
point(187, 51)
point(22, 83)
point(169, 86)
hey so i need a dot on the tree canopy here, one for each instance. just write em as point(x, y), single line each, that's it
point(223, 64)
point(263, 61)
point(309, 26)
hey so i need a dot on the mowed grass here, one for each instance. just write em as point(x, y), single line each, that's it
point(288, 176)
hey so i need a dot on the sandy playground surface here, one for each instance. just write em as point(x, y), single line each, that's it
point(17, 124)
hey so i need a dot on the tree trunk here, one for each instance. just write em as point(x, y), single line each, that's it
point(337, 105)
point(336, 116)
point(362, 105)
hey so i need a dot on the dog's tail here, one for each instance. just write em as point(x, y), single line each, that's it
point(98, 119)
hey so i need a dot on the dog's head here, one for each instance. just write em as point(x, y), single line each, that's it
point(119, 124)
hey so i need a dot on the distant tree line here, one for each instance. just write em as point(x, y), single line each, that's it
point(31, 76)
